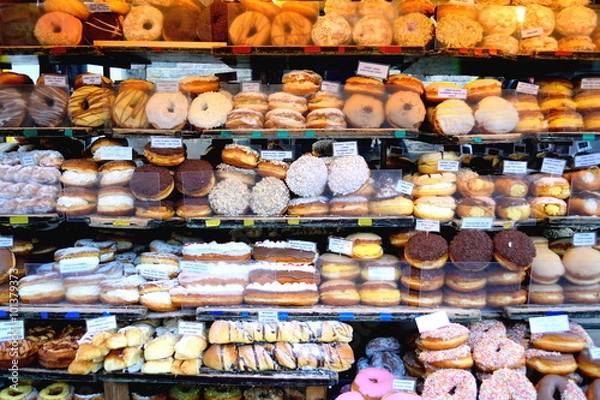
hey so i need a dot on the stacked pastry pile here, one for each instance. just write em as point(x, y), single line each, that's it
point(257, 346)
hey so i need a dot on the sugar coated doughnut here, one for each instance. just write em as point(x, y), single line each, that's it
point(143, 23)
point(347, 174)
point(412, 30)
point(209, 110)
point(270, 196)
point(58, 28)
point(507, 384)
point(331, 30)
point(373, 383)
point(250, 28)
point(496, 353)
point(307, 176)
point(372, 30)
point(229, 197)
point(167, 110)
point(450, 384)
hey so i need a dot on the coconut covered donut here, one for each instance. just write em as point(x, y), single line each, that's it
point(143, 23)
point(167, 110)
point(347, 174)
point(209, 110)
point(229, 197)
point(270, 196)
point(307, 176)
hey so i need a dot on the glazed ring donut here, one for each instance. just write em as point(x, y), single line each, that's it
point(48, 105)
point(56, 391)
point(290, 29)
point(90, 106)
point(20, 392)
point(143, 23)
point(250, 28)
point(13, 107)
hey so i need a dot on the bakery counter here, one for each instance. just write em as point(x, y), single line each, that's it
point(132, 222)
point(323, 312)
point(31, 221)
point(526, 311)
point(207, 376)
point(74, 311)
point(78, 132)
point(45, 374)
point(38, 50)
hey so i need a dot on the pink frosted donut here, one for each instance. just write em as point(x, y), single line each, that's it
point(496, 353)
point(441, 383)
point(401, 396)
point(373, 383)
point(350, 396)
point(506, 384)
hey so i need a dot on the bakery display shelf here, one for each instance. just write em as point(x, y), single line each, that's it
point(75, 311)
point(131, 222)
point(32, 221)
point(526, 311)
point(575, 221)
point(375, 221)
point(232, 50)
point(157, 46)
point(492, 138)
point(568, 137)
point(79, 132)
point(50, 50)
point(323, 312)
point(129, 133)
point(345, 133)
point(207, 376)
point(497, 224)
point(474, 53)
point(37, 372)
point(566, 55)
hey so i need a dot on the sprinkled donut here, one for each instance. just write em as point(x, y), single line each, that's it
point(485, 329)
point(307, 176)
point(496, 353)
point(445, 337)
point(48, 105)
point(551, 384)
point(507, 384)
point(209, 110)
point(347, 174)
point(143, 23)
point(12, 108)
point(457, 357)
point(270, 196)
point(440, 385)
point(373, 383)
point(167, 110)
point(229, 197)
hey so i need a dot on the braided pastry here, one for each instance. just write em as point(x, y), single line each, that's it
point(26, 351)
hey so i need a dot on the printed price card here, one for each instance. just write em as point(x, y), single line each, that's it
point(595, 353)
point(405, 187)
point(250, 86)
point(584, 239)
point(92, 79)
point(101, 324)
point(268, 316)
point(191, 328)
point(72, 268)
point(153, 273)
point(432, 321)
point(477, 223)
point(303, 245)
point(340, 245)
point(528, 88)
point(55, 80)
point(167, 86)
point(428, 225)
point(554, 323)
point(166, 143)
point(373, 70)
point(381, 273)
point(531, 32)
point(110, 153)
point(514, 167)
point(451, 93)
point(345, 149)
point(275, 155)
point(12, 330)
point(448, 165)
point(553, 166)
point(193, 266)
point(6, 241)
point(405, 384)
point(587, 160)
point(590, 83)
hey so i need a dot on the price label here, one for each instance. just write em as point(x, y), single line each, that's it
point(554, 323)
point(466, 149)
point(477, 223)
point(153, 273)
point(166, 143)
point(92, 79)
point(405, 385)
point(452, 93)
point(381, 273)
point(191, 328)
point(268, 316)
point(101, 324)
point(514, 167)
point(432, 321)
point(27, 160)
point(532, 32)
point(448, 165)
point(167, 86)
point(275, 155)
point(55, 80)
point(12, 330)
point(331, 87)
point(584, 239)
point(373, 70)
point(405, 187)
point(72, 268)
point(527, 88)
point(345, 149)
point(110, 153)
point(6, 241)
point(250, 86)
point(97, 7)
point(587, 160)
point(193, 266)
point(553, 166)
point(595, 353)
point(590, 83)
point(303, 245)
point(427, 225)
point(341, 246)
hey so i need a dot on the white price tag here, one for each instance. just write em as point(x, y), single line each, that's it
point(55, 80)
point(6, 241)
point(477, 223)
point(554, 323)
point(452, 93)
point(191, 328)
point(331, 87)
point(193, 266)
point(427, 225)
point(532, 32)
point(275, 155)
point(373, 70)
point(97, 7)
point(12, 330)
point(587, 160)
point(590, 83)
point(595, 353)
point(167, 86)
point(73, 268)
point(303, 245)
point(514, 167)
point(448, 165)
point(345, 149)
point(152, 273)
point(584, 239)
point(101, 324)
point(381, 273)
point(166, 143)
point(27, 160)
point(405, 384)
point(432, 321)
point(341, 246)
point(92, 79)
point(527, 88)
point(267, 317)
point(250, 86)
point(110, 153)
point(405, 187)
point(553, 166)
point(466, 149)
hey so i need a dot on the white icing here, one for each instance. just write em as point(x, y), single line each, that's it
point(158, 297)
point(89, 262)
point(210, 290)
point(74, 251)
point(229, 248)
point(282, 287)
point(116, 176)
point(275, 266)
point(40, 288)
point(116, 200)
point(82, 178)
point(86, 290)
point(124, 294)
point(66, 201)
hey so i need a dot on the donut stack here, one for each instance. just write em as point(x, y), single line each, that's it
point(383, 353)
point(338, 275)
point(545, 272)
point(585, 183)
point(556, 101)
point(444, 347)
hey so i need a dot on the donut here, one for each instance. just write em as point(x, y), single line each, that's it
point(58, 28)
point(143, 23)
point(194, 178)
point(390, 361)
point(412, 29)
point(331, 30)
point(209, 110)
point(347, 174)
point(381, 344)
point(307, 176)
point(19, 392)
point(514, 250)
point(180, 24)
point(129, 110)
point(306, 9)
point(47, 105)
point(498, 20)
point(290, 28)
point(537, 16)
point(164, 156)
point(593, 390)
point(240, 156)
point(373, 383)
point(458, 31)
point(13, 107)
point(167, 110)
point(496, 353)
point(90, 106)
point(565, 342)
point(103, 26)
point(588, 365)
point(550, 362)
point(251, 28)
point(489, 328)
point(576, 20)
point(549, 385)
point(229, 197)
point(269, 197)
point(363, 111)
point(194, 85)
point(450, 384)
point(151, 183)
point(507, 384)
point(266, 8)
point(444, 338)
point(55, 391)
point(372, 30)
